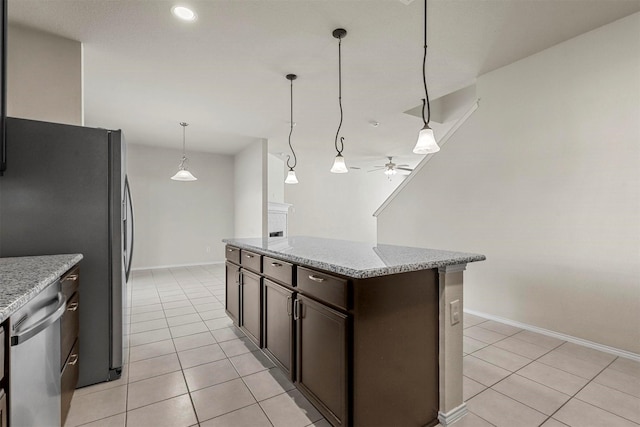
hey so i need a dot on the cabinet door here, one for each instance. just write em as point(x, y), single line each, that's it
point(232, 292)
point(322, 357)
point(3, 409)
point(251, 300)
point(278, 325)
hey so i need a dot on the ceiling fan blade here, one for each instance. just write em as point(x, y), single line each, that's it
point(378, 169)
point(405, 169)
point(402, 166)
point(355, 167)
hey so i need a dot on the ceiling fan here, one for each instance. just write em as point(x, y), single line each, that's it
point(391, 168)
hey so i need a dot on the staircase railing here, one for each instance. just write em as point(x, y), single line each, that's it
point(426, 159)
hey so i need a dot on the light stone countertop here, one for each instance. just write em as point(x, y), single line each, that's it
point(353, 259)
point(22, 278)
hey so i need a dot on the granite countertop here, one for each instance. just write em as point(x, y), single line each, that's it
point(22, 278)
point(353, 259)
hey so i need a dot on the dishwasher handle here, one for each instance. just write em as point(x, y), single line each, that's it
point(36, 328)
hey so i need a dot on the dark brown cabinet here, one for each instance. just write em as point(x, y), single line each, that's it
point(251, 302)
point(322, 357)
point(278, 326)
point(3, 409)
point(4, 384)
point(363, 351)
point(243, 299)
point(69, 380)
point(69, 341)
point(232, 292)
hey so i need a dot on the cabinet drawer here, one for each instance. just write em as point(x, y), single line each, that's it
point(69, 327)
point(233, 254)
point(326, 288)
point(69, 381)
point(251, 260)
point(277, 270)
point(70, 281)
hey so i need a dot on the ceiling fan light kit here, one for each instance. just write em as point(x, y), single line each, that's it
point(183, 174)
point(391, 169)
point(426, 143)
point(339, 166)
point(291, 175)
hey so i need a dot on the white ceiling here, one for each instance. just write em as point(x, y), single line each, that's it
point(145, 71)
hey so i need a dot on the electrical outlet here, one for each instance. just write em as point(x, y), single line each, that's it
point(455, 312)
point(208, 248)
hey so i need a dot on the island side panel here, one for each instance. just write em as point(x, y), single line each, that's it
point(452, 406)
point(395, 365)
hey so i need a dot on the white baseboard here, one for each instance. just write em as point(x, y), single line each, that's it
point(564, 337)
point(176, 265)
point(452, 416)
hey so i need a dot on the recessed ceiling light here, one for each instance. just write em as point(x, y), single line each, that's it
point(184, 13)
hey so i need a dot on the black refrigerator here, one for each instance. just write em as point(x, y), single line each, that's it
point(65, 190)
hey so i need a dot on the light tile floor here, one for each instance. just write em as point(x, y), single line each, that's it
point(514, 378)
point(187, 365)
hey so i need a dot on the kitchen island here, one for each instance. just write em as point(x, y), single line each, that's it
point(370, 334)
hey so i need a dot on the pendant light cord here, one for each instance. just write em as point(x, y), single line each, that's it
point(295, 159)
point(339, 97)
point(183, 140)
point(184, 154)
point(425, 101)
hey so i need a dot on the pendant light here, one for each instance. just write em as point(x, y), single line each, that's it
point(183, 174)
point(291, 175)
point(338, 164)
point(426, 143)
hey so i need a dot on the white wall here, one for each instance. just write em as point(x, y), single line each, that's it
point(44, 76)
point(175, 222)
point(276, 178)
point(337, 206)
point(250, 189)
point(545, 180)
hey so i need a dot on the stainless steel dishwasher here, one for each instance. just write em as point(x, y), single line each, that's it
point(35, 360)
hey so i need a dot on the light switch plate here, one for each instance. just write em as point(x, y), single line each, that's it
point(455, 312)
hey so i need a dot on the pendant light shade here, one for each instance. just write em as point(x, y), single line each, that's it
point(291, 175)
point(339, 165)
point(426, 143)
point(183, 174)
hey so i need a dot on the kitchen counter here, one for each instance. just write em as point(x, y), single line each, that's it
point(22, 278)
point(353, 259)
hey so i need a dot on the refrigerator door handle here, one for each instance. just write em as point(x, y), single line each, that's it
point(128, 237)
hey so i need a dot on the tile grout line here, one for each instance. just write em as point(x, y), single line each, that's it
point(582, 388)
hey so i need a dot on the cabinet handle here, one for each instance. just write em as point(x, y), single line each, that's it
point(316, 278)
point(73, 359)
point(231, 250)
point(276, 264)
point(296, 309)
point(72, 277)
point(288, 306)
point(72, 307)
point(240, 278)
point(249, 256)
